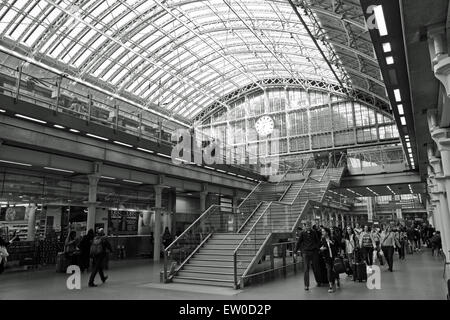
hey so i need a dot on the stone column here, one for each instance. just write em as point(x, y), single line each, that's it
point(157, 232)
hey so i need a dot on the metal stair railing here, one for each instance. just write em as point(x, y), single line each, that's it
point(214, 219)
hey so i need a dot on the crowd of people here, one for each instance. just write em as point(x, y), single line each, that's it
point(331, 251)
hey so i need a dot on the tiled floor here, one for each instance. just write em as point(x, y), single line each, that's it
point(418, 277)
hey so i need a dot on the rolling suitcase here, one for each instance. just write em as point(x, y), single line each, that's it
point(361, 272)
point(61, 263)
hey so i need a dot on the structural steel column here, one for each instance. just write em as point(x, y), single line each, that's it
point(92, 201)
point(157, 228)
point(31, 231)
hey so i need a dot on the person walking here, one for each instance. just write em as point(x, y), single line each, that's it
point(328, 252)
point(71, 248)
point(351, 244)
point(410, 238)
point(85, 248)
point(308, 245)
point(436, 244)
point(376, 236)
point(402, 238)
point(99, 249)
point(4, 252)
point(367, 245)
point(388, 243)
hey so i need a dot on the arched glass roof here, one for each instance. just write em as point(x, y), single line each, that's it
point(185, 55)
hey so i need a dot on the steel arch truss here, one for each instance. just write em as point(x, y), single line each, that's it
point(191, 57)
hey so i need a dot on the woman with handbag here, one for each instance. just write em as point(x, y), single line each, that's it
point(328, 252)
point(388, 243)
point(351, 244)
point(4, 252)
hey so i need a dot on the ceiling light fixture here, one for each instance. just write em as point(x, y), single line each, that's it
point(381, 22)
point(96, 137)
point(398, 96)
point(29, 118)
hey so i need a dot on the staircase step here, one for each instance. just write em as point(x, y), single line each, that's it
point(201, 281)
point(216, 262)
point(203, 275)
point(229, 236)
point(216, 268)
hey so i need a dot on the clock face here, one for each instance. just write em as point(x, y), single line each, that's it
point(264, 125)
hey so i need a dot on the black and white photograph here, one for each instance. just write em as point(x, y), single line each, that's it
point(223, 156)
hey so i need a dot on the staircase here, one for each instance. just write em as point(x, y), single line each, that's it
point(225, 257)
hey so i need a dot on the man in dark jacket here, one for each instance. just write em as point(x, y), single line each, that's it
point(99, 250)
point(308, 244)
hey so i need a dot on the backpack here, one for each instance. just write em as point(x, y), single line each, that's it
point(97, 247)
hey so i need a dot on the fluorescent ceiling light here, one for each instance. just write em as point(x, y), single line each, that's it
point(408, 144)
point(381, 22)
point(29, 118)
point(123, 144)
point(59, 170)
point(3, 111)
point(209, 168)
point(390, 60)
point(132, 181)
point(108, 178)
point(16, 163)
point(400, 109)
point(58, 126)
point(74, 130)
point(387, 47)
point(221, 171)
point(403, 121)
point(146, 150)
point(163, 155)
point(96, 137)
point(398, 96)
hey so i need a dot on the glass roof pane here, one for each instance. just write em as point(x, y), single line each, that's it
point(207, 48)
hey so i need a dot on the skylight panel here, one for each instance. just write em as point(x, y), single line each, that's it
point(8, 18)
point(133, 86)
point(60, 48)
point(115, 13)
point(21, 27)
point(52, 15)
point(88, 36)
point(119, 76)
point(76, 48)
point(35, 35)
point(49, 43)
point(35, 12)
point(152, 37)
point(126, 19)
point(111, 71)
point(99, 10)
point(118, 52)
point(79, 61)
point(94, 46)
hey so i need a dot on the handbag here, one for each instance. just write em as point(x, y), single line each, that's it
point(339, 266)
